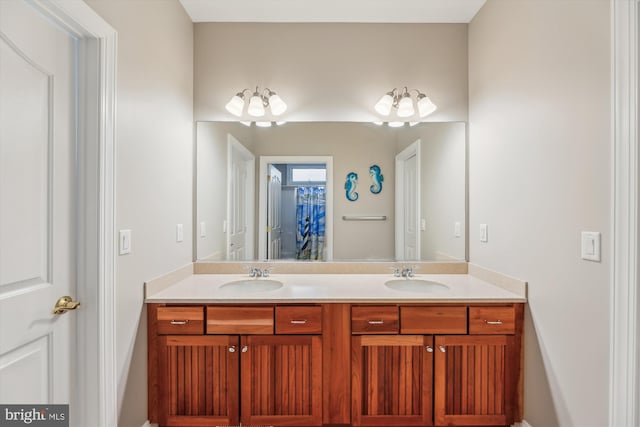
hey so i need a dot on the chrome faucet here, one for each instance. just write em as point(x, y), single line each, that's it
point(258, 272)
point(407, 272)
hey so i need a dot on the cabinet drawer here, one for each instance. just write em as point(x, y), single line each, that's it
point(374, 319)
point(492, 320)
point(433, 320)
point(180, 320)
point(239, 320)
point(298, 320)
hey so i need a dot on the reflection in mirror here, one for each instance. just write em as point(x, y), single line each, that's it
point(411, 207)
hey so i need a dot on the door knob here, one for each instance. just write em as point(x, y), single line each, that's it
point(65, 304)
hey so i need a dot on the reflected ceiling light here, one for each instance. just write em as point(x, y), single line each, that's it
point(404, 104)
point(259, 102)
point(263, 123)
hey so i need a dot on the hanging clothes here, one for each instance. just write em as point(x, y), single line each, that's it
point(311, 216)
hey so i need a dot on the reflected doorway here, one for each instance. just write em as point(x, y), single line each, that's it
point(295, 196)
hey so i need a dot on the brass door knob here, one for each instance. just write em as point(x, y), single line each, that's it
point(65, 304)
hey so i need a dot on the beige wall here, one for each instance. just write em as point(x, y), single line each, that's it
point(154, 139)
point(539, 111)
point(211, 184)
point(330, 72)
point(443, 171)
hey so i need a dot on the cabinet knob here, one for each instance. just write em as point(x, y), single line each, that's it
point(244, 349)
point(232, 349)
point(429, 349)
point(442, 349)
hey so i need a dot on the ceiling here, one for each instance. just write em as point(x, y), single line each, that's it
point(374, 11)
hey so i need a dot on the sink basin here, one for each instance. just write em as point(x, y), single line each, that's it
point(252, 285)
point(416, 285)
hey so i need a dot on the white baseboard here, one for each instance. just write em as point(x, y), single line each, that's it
point(148, 424)
point(523, 423)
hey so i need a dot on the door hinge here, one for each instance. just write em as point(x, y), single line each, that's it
point(269, 229)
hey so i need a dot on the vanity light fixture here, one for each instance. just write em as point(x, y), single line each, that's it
point(258, 103)
point(405, 104)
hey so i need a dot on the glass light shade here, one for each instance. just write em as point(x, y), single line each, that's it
point(263, 124)
point(405, 107)
point(425, 106)
point(277, 105)
point(256, 107)
point(383, 106)
point(235, 106)
point(396, 124)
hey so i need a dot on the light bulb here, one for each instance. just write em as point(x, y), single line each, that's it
point(383, 106)
point(263, 124)
point(235, 105)
point(425, 106)
point(277, 104)
point(256, 107)
point(281, 123)
point(396, 124)
point(405, 107)
point(378, 123)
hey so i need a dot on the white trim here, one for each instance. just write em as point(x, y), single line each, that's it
point(624, 369)
point(411, 151)
point(262, 199)
point(96, 367)
point(250, 159)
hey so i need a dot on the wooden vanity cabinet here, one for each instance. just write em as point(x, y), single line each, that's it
point(240, 371)
point(289, 364)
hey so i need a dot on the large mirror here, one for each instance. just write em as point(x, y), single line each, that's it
point(330, 191)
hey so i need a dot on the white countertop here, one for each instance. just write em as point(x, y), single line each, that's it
point(328, 288)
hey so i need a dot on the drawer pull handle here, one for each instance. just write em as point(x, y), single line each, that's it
point(299, 322)
point(376, 322)
point(442, 349)
point(232, 349)
point(497, 322)
point(179, 322)
point(244, 349)
point(429, 349)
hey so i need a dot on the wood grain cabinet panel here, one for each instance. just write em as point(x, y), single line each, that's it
point(374, 319)
point(391, 380)
point(240, 320)
point(474, 380)
point(298, 320)
point(492, 320)
point(281, 380)
point(433, 320)
point(180, 320)
point(198, 382)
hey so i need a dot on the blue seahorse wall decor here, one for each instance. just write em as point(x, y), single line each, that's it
point(350, 186)
point(377, 178)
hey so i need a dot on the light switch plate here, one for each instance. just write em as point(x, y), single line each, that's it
point(179, 233)
point(423, 224)
point(590, 245)
point(484, 233)
point(456, 229)
point(124, 242)
point(203, 229)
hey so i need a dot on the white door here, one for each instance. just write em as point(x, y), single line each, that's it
point(37, 206)
point(274, 213)
point(408, 203)
point(240, 212)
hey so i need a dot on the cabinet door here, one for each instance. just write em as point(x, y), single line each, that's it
point(198, 380)
point(281, 380)
point(391, 380)
point(474, 380)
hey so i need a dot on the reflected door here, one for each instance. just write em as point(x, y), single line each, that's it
point(408, 203)
point(274, 213)
point(37, 205)
point(240, 213)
